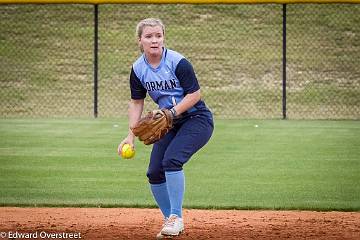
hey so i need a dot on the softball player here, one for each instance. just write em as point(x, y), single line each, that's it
point(170, 81)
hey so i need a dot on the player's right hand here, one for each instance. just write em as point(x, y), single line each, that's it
point(127, 140)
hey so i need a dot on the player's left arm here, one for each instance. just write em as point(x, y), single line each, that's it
point(187, 102)
point(187, 77)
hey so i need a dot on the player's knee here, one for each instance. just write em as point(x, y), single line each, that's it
point(172, 165)
point(155, 176)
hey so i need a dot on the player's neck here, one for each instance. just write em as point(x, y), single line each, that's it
point(154, 59)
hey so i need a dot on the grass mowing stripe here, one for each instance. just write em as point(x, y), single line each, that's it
point(248, 164)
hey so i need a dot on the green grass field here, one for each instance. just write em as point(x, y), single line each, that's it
point(279, 164)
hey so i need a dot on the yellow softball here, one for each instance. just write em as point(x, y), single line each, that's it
point(127, 151)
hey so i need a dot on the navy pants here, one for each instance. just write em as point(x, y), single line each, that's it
point(176, 148)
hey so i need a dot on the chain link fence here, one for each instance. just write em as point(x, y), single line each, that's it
point(323, 55)
point(47, 58)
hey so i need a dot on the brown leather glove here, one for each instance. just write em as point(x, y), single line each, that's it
point(153, 126)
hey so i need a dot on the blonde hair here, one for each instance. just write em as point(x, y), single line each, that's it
point(148, 22)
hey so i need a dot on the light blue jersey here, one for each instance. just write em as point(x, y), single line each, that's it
point(168, 83)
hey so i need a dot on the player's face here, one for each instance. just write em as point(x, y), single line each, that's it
point(152, 40)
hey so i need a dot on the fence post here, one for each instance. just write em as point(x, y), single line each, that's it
point(96, 24)
point(284, 64)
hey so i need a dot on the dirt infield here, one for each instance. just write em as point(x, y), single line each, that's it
point(124, 223)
